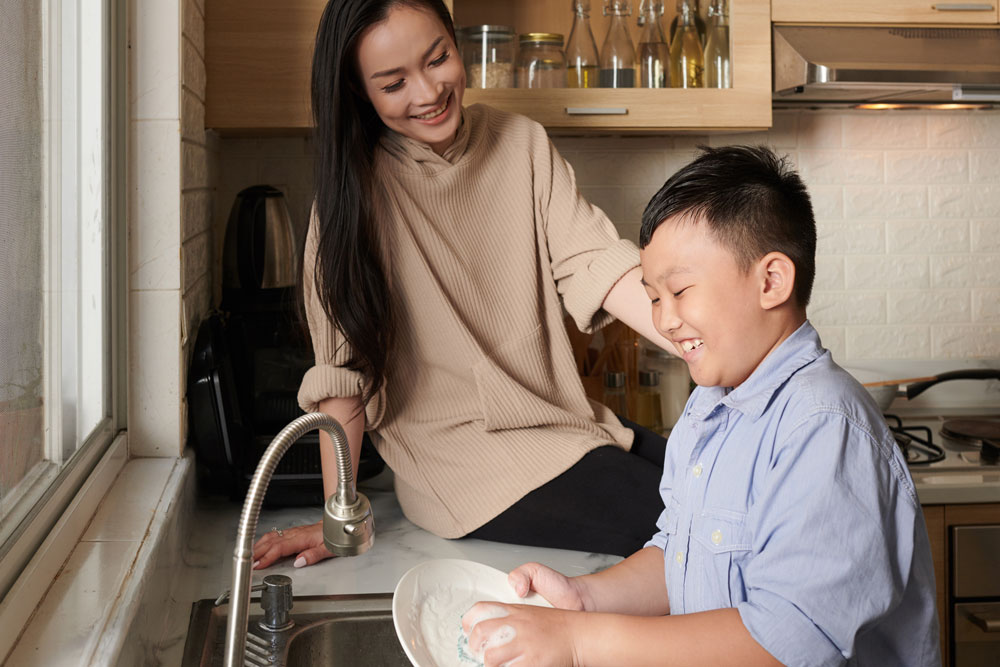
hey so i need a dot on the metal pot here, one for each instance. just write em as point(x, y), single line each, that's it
point(886, 391)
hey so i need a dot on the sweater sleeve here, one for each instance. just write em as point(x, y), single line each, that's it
point(586, 254)
point(329, 377)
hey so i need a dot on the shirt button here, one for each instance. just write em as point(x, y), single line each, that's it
point(697, 470)
point(716, 536)
point(679, 557)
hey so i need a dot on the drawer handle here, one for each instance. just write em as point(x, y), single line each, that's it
point(962, 7)
point(597, 111)
point(988, 622)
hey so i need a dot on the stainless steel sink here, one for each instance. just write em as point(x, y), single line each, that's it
point(330, 630)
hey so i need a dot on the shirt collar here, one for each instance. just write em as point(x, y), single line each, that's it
point(754, 395)
point(406, 149)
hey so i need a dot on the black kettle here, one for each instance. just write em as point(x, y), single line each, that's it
point(259, 251)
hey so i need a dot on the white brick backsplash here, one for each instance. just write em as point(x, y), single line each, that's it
point(885, 130)
point(196, 255)
point(843, 238)
point(963, 129)
point(984, 166)
point(196, 212)
point(886, 272)
point(966, 341)
point(822, 129)
point(885, 201)
point(927, 166)
point(934, 306)
point(827, 201)
point(827, 167)
point(829, 273)
point(986, 236)
point(986, 305)
point(965, 270)
point(634, 202)
point(851, 308)
point(965, 201)
point(889, 342)
point(194, 165)
point(834, 339)
point(922, 237)
point(619, 168)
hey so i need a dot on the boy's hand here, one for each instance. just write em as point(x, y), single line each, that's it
point(561, 591)
point(501, 635)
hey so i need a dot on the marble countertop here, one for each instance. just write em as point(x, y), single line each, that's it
point(399, 545)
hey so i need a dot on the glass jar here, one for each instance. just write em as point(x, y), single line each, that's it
point(674, 383)
point(614, 393)
point(648, 407)
point(488, 55)
point(540, 61)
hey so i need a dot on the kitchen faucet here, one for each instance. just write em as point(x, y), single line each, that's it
point(348, 527)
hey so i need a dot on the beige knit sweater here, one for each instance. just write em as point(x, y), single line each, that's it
point(485, 245)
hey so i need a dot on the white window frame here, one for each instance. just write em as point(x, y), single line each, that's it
point(95, 73)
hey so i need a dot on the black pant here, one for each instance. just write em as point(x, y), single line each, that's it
point(608, 502)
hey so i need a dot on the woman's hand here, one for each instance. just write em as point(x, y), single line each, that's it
point(561, 591)
point(305, 541)
point(502, 634)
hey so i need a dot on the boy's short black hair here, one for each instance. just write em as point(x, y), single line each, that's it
point(753, 203)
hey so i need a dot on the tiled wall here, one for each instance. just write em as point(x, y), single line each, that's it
point(907, 204)
point(170, 200)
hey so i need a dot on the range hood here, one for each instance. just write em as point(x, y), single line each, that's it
point(844, 66)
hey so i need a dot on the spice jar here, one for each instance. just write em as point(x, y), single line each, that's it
point(614, 393)
point(488, 55)
point(648, 409)
point(540, 61)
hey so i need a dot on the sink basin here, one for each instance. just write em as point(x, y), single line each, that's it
point(330, 630)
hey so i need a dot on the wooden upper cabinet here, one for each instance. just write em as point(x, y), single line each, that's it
point(885, 11)
point(259, 55)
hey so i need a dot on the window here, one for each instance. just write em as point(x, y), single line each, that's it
point(61, 287)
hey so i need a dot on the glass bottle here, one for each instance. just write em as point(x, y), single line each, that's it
point(654, 56)
point(699, 22)
point(614, 393)
point(617, 53)
point(718, 66)
point(581, 49)
point(687, 59)
point(648, 409)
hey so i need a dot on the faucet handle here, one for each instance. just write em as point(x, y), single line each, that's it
point(224, 596)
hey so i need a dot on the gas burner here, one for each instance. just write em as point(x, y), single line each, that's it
point(916, 442)
point(971, 432)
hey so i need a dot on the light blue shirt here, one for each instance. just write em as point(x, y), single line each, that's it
point(787, 498)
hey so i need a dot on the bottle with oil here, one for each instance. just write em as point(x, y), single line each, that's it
point(581, 49)
point(648, 408)
point(617, 53)
point(654, 55)
point(718, 65)
point(687, 58)
point(699, 23)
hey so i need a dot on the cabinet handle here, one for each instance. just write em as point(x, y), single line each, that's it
point(597, 111)
point(962, 7)
point(986, 621)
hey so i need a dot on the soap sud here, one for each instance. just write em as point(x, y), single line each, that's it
point(440, 614)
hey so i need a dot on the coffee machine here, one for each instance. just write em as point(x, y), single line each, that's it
point(249, 360)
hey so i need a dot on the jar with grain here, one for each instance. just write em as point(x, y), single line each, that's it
point(540, 61)
point(488, 54)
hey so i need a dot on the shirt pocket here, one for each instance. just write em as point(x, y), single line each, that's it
point(722, 542)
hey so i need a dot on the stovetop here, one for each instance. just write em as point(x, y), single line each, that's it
point(926, 447)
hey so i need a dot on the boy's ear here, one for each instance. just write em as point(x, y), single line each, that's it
point(778, 279)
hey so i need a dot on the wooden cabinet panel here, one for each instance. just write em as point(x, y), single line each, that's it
point(934, 518)
point(885, 11)
point(259, 55)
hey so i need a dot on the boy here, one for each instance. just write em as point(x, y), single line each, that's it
point(791, 533)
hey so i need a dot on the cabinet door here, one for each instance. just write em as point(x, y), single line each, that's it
point(934, 518)
point(885, 11)
point(747, 105)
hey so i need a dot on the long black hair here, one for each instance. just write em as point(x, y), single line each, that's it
point(350, 277)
